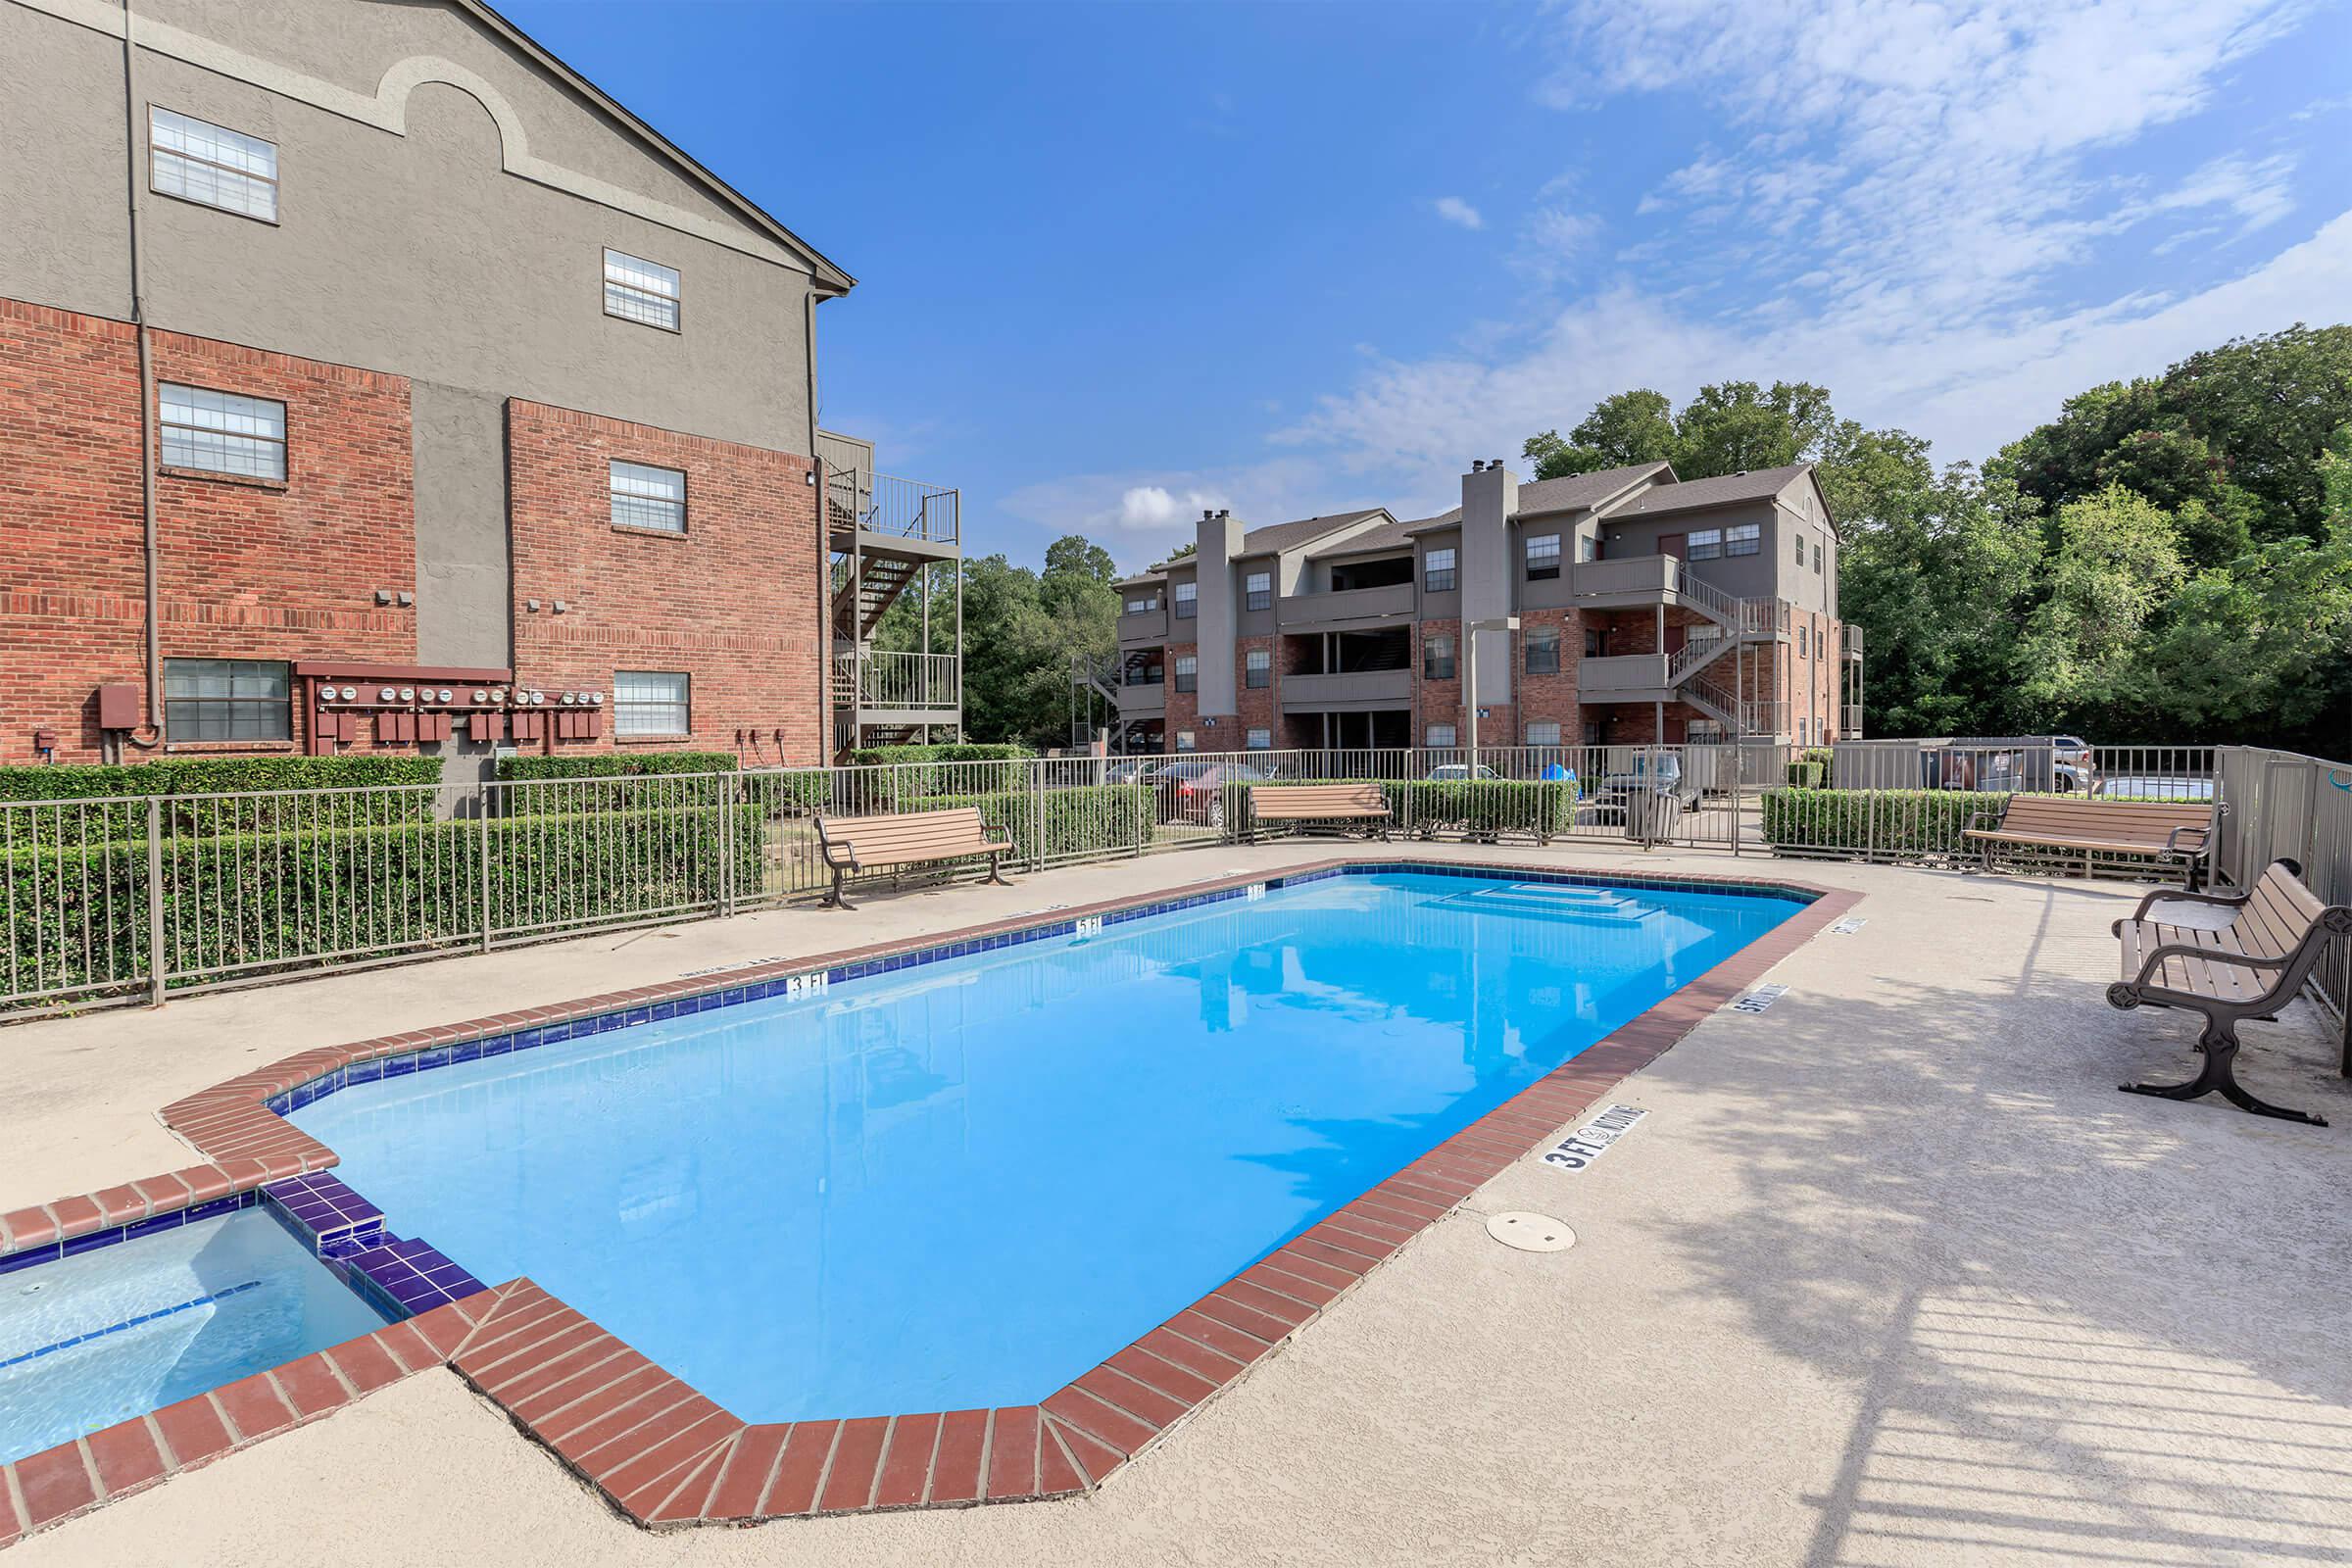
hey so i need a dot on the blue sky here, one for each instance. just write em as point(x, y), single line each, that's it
point(1120, 262)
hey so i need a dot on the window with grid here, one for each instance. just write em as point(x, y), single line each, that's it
point(1543, 557)
point(1439, 735)
point(1188, 672)
point(1257, 667)
point(642, 291)
point(1597, 642)
point(1142, 604)
point(1746, 539)
point(1437, 572)
point(1544, 734)
point(1543, 651)
point(1817, 556)
point(227, 700)
point(1260, 739)
point(220, 432)
point(650, 702)
point(1800, 549)
point(1184, 740)
point(1704, 544)
point(647, 497)
point(1437, 657)
point(1257, 590)
point(1187, 600)
point(1800, 641)
point(201, 161)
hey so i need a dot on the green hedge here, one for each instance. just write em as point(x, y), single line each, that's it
point(210, 775)
point(263, 900)
point(1085, 819)
point(916, 773)
point(1545, 808)
point(1904, 823)
point(615, 764)
point(389, 782)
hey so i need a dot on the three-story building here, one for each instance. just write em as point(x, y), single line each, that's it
point(1618, 608)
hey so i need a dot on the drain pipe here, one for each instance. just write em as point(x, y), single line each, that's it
point(147, 438)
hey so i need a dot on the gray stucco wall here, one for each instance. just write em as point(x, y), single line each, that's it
point(1490, 498)
point(63, 241)
point(1215, 629)
point(465, 598)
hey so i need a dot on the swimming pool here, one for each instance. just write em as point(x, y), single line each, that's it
point(964, 1183)
point(107, 1334)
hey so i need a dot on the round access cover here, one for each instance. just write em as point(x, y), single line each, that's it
point(1531, 1233)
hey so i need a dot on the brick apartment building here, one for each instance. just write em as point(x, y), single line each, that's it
point(372, 380)
point(1619, 607)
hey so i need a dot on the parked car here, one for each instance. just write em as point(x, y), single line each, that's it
point(1133, 770)
point(1652, 773)
point(1455, 772)
point(1195, 792)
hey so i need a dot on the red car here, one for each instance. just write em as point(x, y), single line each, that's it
point(1195, 792)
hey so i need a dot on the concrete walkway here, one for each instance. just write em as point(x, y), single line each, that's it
point(1890, 1275)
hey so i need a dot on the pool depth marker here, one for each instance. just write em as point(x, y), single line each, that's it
point(1594, 1139)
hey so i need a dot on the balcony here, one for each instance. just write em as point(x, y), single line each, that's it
point(883, 508)
point(898, 684)
point(1625, 678)
point(1143, 627)
point(1369, 688)
point(1347, 609)
point(1142, 698)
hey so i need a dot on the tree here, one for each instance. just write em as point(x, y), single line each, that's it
point(1623, 430)
point(2117, 563)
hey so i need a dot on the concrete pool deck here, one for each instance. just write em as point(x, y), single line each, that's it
point(1890, 1274)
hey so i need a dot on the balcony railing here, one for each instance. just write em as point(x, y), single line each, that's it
point(904, 509)
point(1143, 627)
point(866, 679)
point(1393, 687)
point(1391, 600)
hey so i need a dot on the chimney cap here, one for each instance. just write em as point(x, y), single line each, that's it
point(1208, 515)
point(1494, 463)
point(1478, 465)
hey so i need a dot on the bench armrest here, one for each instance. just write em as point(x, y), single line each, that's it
point(2181, 950)
point(2204, 836)
point(838, 857)
point(2223, 900)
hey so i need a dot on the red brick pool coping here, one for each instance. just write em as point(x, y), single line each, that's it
point(665, 1454)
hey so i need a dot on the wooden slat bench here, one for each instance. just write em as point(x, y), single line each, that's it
point(1318, 803)
point(2169, 830)
point(904, 838)
point(2248, 968)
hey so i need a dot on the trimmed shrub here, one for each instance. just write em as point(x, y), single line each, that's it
point(1807, 775)
point(252, 903)
point(375, 790)
point(211, 775)
point(615, 764)
point(1902, 824)
point(1084, 820)
point(1482, 806)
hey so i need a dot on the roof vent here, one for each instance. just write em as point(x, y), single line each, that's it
point(1494, 463)
point(1207, 515)
point(1223, 514)
point(1478, 465)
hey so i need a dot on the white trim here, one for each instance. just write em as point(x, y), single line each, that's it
point(388, 111)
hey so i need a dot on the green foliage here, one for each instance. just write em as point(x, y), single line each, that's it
point(1724, 429)
point(1084, 820)
point(1808, 773)
point(1902, 824)
point(1476, 806)
point(615, 764)
point(206, 775)
point(918, 771)
point(256, 901)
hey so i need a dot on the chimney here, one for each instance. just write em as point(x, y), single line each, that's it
point(1478, 465)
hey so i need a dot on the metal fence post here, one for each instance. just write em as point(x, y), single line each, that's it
point(155, 902)
point(727, 788)
point(1037, 813)
point(481, 815)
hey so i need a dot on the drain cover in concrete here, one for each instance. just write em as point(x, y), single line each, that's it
point(1531, 1233)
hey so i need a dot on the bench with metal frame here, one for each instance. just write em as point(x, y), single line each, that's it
point(1318, 803)
point(2250, 968)
point(854, 844)
point(2169, 830)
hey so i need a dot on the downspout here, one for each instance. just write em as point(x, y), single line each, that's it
point(826, 739)
point(147, 435)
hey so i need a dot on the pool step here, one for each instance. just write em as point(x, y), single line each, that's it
point(1583, 906)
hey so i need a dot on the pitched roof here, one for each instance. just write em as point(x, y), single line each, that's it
point(1576, 491)
point(1276, 536)
point(1756, 484)
point(1449, 518)
point(829, 276)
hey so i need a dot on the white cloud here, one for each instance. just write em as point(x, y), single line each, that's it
point(1140, 517)
point(1455, 209)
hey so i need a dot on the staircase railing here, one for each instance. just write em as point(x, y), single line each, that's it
point(904, 509)
point(1709, 600)
point(868, 678)
point(1694, 655)
point(1742, 716)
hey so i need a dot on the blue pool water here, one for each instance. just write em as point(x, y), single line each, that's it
point(965, 1182)
point(99, 1337)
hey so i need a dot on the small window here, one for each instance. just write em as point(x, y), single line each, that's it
point(201, 161)
point(1746, 539)
point(1817, 556)
point(1187, 600)
point(1543, 557)
point(641, 291)
point(227, 700)
point(1257, 590)
point(1544, 734)
point(1437, 657)
point(1439, 735)
point(1597, 642)
point(1437, 572)
point(1260, 739)
point(1188, 672)
point(1257, 668)
point(1705, 544)
point(1800, 640)
point(1800, 731)
point(1543, 651)
point(1704, 732)
point(220, 432)
point(1587, 548)
point(646, 496)
point(1800, 549)
point(1184, 740)
point(650, 702)
point(1143, 604)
